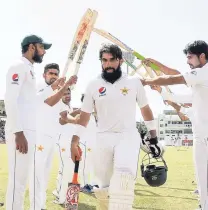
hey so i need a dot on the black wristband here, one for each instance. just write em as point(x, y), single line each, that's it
point(153, 140)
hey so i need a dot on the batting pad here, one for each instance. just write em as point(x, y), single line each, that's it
point(102, 198)
point(121, 191)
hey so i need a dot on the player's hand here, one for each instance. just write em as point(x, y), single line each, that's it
point(72, 80)
point(58, 83)
point(21, 142)
point(143, 82)
point(157, 88)
point(149, 61)
point(76, 151)
point(64, 115)
point(77, 117)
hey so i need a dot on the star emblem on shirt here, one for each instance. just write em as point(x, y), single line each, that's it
point(89, 149)
point(40, 148)
point(63, 149)
point(124, 91)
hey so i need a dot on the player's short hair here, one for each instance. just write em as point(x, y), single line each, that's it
point(112, 49)
point(25, 49)
point(197, 48)
point(51, 66)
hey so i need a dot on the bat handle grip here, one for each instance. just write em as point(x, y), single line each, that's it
point(75, 176)
point(76, 167)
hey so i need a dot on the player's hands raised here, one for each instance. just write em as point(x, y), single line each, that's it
point(58, 83)
point(157, 88)
point(71, 81)
point(21, 142)
point(150, 61)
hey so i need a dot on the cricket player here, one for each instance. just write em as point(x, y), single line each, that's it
point(89, 139)
point(197, 58)
point(20, 105)
point(68, 117)
point(48, 129)
point(114, 95)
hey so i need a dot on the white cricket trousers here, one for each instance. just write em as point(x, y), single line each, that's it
point(45, 149)
point(21, 168)
point(115, 152)
point(200, 151)
point(66, 169)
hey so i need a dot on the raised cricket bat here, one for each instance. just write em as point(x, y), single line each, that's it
point(85, 41)
point(118, 42)
point(81, 29)
point(72, 195)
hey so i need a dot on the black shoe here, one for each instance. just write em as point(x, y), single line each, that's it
point(1, 204)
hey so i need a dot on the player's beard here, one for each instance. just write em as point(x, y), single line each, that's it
point(111, 76)
point(36, 57)
point(51, 81)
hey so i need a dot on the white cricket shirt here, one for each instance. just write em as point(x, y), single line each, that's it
point(115, 103)
point(48, 116)
point(20, 96)
point(197, 79)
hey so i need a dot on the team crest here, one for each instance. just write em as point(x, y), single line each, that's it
point(102, 91)
point(15, 79)
point(194, 72)
point(124, 91)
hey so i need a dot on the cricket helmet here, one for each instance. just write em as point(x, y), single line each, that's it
point(155, 175)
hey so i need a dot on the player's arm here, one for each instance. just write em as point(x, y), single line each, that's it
point(68, 118)
point(182, 116)
point(175, 98)
point(55, 98)
point(148, 120)
point(165, 80)
point(75, 112)
point(86, 110)
point(166, 70)
point(14, 82)
point(194, 77)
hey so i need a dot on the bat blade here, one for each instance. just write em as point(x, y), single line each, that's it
point(81, 29)
point(72, 195)
point(118, 42)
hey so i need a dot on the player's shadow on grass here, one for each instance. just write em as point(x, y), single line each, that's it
point(170, 188)
point(84, 206)
point(149, 193)
point(134, 207)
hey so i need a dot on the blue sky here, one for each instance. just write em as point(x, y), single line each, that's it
point(156, 28)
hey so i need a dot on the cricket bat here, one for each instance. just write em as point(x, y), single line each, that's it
point(81, 29)
point(118, 42)
point(85, 42)
point(72, 195)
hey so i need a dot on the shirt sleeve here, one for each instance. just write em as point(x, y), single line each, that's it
point(88, 102)
point(176, 98)
point(196, 76)
point(44, 93)
point(15, 79)
point(141, 95)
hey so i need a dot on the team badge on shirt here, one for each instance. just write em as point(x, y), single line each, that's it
point(102, 91)
point(40, 148)
point(15, 79)
point(194, 72)
point(124, 91)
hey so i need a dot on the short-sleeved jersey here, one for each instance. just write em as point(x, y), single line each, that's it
point(20, 96)
point(197, 79)
point(115, 103)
